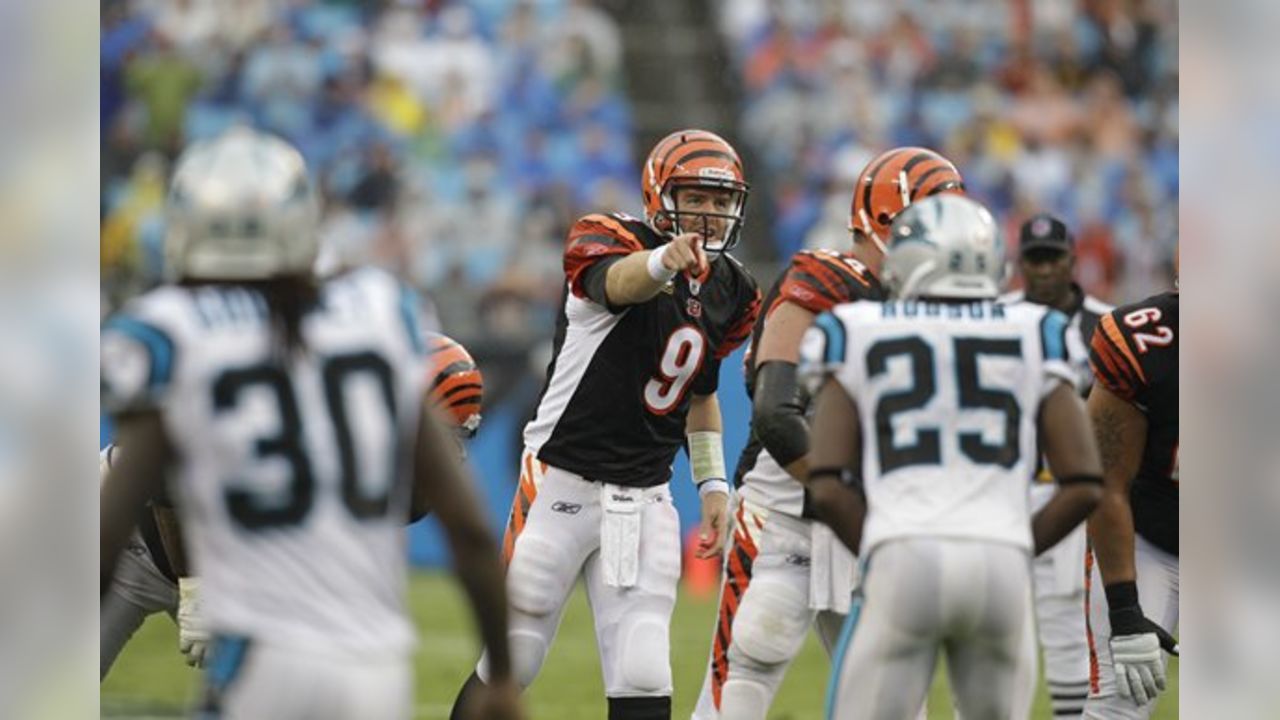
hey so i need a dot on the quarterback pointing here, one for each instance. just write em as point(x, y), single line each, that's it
point(650, 307)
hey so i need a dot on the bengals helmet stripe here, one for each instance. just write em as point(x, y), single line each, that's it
point(456, 384)
point(894, 180)
point(693, 158)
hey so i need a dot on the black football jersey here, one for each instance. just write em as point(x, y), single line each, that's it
point(816, 280)
point(1134, 354)
point(618, 386)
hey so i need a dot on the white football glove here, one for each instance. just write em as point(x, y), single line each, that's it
point(193, 635)
point(1136, 642)
point(1139, 667)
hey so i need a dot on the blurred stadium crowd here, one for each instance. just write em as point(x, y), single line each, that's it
point(456, 142)
point(1066, 106)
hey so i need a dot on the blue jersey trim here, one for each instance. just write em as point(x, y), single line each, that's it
point(159, 346)
point(833, 329)
point(1053, 335)
point(412, 321)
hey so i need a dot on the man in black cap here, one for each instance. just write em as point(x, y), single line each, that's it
point(1047, 258)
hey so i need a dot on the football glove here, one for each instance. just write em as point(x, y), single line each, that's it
point(193, 636)
point(1136, 642)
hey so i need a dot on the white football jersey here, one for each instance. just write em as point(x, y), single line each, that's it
point(947, 395)
point(292, 478)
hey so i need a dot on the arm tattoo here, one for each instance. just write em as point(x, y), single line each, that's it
point(1106, 430)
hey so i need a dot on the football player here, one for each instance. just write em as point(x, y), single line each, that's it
point(650, 307)
point(785, 571)
point(1134, 533)
point(927, 427)
point(284, 409)
point(150, 578)
point(1047, 258)
point(147, 580)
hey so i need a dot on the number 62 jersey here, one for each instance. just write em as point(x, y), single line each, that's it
point(289, 474)
point(947, 394)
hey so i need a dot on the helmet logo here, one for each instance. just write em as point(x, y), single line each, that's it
point(1040, 227)
point(716, 173)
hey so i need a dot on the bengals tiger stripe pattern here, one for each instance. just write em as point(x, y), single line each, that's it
point(455, 383)
point(894, 180)
point(742, 554)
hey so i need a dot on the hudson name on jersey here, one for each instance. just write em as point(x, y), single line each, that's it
point(948, 394)
point(618, 386)
point(1134, 354)
point(292, 487)
point(816, 280)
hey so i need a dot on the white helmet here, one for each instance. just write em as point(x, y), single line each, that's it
point(241, 207)
point(945, 246)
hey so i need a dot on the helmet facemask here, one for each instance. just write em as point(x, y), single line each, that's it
point(720, 230)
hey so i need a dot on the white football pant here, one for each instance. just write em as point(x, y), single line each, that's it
point(1158, 595)
point(923, 595)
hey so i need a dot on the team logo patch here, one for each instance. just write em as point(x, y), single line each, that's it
point(693, 308)
point(1040, 227)
point(567, 508)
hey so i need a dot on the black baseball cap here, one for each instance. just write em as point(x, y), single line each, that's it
point(1045, 231)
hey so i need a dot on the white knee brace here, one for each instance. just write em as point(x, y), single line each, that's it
point(644, 655)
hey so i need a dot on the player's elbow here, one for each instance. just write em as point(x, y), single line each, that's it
point(1083, 494)
point(782, 432)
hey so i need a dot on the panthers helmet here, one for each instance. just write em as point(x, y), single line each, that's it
point(693, 158)
point(241, 206)
point(455, 385)
point(945, 246)
point(894, 180)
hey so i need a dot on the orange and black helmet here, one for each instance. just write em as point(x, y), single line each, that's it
point(456, 386)
point(693, 158)
point(894, 180)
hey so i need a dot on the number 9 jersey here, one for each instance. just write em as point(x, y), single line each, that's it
point(291, 473)
point(618, 387)
point(947, 394)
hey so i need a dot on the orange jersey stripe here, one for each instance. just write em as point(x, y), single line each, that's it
point(1108, 325)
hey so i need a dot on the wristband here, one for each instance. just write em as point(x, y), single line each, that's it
point(712, 485)
point(657, 270)
point(1122, 595)
point(706, 456)
point(1077, 479)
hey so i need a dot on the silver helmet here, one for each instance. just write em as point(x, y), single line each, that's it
point(945, 246)
point(241, 206)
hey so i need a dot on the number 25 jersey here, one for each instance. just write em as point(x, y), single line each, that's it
point(618, 387)
point(947, 396)
point(290, 474)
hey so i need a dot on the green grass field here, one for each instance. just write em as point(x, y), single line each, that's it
point(150, 680)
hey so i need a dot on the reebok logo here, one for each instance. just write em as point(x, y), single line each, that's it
point(567, 508)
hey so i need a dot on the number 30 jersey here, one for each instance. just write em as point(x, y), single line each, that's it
point(618, 387)
point(947, 396)
point(291, 474)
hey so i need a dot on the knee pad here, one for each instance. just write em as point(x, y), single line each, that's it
point(538, 577)
point(745, 699)
point(644, 654)
point(770, 625)
point(640, 708)
point(528, 651)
